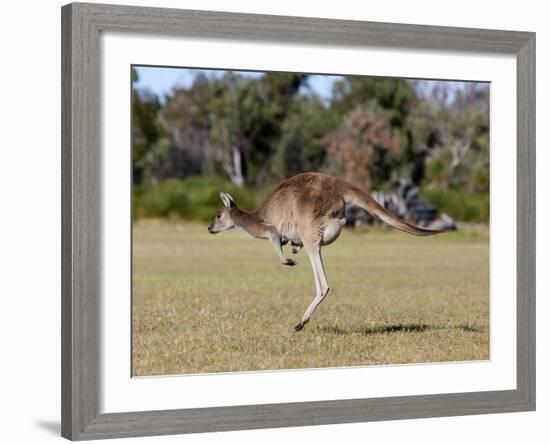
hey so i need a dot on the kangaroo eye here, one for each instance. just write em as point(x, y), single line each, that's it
point(218, 216)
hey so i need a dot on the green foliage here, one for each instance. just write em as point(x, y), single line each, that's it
point(246, 134)
point(195, 198)
point(460, 204)
point(392, 96)
point(452, 137)
point(165, 199)
point(479, 179)
point(299, 148)
point(146, 130)
point(437, 171)
point(240, 118)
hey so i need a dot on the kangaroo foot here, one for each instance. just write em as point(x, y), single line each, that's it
point(290, 262)
point(299, 326)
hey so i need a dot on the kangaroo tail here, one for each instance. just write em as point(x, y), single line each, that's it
point(357, 197)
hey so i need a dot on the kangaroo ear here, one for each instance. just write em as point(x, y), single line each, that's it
point(227, 200)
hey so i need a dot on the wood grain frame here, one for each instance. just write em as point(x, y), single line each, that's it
point(81, 234)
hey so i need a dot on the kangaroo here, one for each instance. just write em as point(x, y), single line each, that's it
point(307, 210)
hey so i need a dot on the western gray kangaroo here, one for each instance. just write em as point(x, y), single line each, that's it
point(307, 210)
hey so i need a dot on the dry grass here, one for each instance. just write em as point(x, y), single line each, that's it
point(205, 303)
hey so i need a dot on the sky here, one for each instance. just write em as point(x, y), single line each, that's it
point(162, 80)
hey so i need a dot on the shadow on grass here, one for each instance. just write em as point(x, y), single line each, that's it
point(470, 328)
point(375, 329)
point(392, 328)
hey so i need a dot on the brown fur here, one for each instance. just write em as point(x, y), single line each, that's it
point(307, 210)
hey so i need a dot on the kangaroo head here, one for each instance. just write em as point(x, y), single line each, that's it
point(223, 219)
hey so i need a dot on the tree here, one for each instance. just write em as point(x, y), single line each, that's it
point(146, 130)
point(240, 117)
point(451, 126)
point(361, 145)
point(262, 109)
point(392, 98)
point(299, 147)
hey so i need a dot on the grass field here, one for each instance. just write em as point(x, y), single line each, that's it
point(215, 303)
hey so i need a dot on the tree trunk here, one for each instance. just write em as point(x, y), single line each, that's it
point(234, 167)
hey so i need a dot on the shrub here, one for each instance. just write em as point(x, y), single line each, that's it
point(168, 198)
point(195, 198)
point(461, 205)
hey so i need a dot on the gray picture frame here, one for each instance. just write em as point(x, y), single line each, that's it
point(81, 231)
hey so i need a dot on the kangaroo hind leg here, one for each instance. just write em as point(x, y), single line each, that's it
point(321, 285)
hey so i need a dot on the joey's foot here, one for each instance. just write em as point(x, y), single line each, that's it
point(296, 249)
point(290, 262)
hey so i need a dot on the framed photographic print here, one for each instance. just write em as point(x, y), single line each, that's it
point(277, 221)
